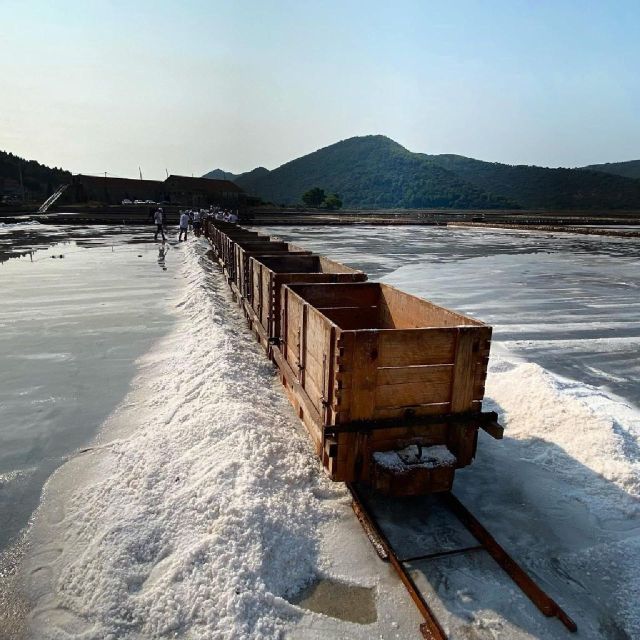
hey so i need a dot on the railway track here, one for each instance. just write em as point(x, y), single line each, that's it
point(431, 629)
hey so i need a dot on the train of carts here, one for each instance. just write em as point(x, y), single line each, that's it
point(388, 385)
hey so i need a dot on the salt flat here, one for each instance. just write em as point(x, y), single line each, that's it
point(200, 511)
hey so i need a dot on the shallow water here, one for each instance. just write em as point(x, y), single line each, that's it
point(78, 307)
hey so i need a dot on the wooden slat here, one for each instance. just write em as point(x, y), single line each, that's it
point(426, 374)
point(364, 375)
point(416, 347)
point(339, 295)
point(407, 311)
point(411, 394)
point(462, 383)
point(385, 413)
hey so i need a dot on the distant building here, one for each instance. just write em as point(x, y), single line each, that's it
point(10, 187)
point(177, 190)
point(201, 192)
point(114, 190)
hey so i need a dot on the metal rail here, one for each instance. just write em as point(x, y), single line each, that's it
point(431, 628)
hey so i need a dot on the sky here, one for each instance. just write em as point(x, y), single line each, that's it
point(185, 87)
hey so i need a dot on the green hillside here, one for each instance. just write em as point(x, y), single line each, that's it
point(39, 180)
point(539, 187)
point(630, 169)
point(376, 172)
point(371, 171)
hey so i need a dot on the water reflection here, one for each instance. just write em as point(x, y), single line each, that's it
point(162, 252)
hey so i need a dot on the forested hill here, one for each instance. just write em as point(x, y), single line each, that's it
point(371, 171)
point(630, 169)
point(539, 187)
point(374, 171)
point(38, 179)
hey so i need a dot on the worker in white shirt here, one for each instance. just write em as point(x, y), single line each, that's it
point(158, 221)
point(197, 222)
point(184, 225)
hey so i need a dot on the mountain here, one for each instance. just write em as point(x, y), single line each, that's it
point(38, 179)
point(221, 174)
point(369, 171)
point(540, 187)
point(630, 169)
point(376, 172)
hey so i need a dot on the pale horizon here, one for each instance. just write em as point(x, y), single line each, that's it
point(111, 87)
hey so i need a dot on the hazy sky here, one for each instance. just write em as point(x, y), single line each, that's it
point(190, 86)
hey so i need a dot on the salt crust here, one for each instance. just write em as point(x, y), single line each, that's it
point(205, 518)
point(407, 458)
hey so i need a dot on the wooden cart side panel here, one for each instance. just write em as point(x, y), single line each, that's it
point(364, 376)
point(280, 279)
point(256, 287)
point(292, 334)
point(317, 352)
point(405, 311)
point(352, 318)
point(331, 266)
point(412, 387)
point(360, 294)
point(406, 347)
point(343, 367)
point(469, 342)
point(266, 282)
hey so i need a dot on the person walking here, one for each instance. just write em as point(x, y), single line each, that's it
point(197, 222)
point(184, 225)
point(158, 219)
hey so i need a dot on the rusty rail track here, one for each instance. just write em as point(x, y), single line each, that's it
point(431, 629)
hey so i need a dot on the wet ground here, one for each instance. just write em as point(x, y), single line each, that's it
point(78, 307)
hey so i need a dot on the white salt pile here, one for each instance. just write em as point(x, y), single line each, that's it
point(201, 516)
point(541, 408)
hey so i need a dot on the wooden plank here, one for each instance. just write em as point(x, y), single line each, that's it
point(387, 413)
point(299, 399)
point(345, 344)
point(405, 311)
point(431, 433)
point(352, 318)
point(427, 374)
point(294, 323)
point(462, 384)
point(302, 347)
point(411, 394)
point(339, 295)
point(364, 375)
point(406, 347)
point(328, 385)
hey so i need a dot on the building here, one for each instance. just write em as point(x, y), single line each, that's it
point(202, 192)
point(175, 190)
point(114, 190)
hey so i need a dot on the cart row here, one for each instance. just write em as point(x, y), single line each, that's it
point(388, 385)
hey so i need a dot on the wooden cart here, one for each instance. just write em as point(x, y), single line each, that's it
point(372, 370)
point(269, 273)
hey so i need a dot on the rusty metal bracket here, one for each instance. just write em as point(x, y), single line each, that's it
point(484, 419)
